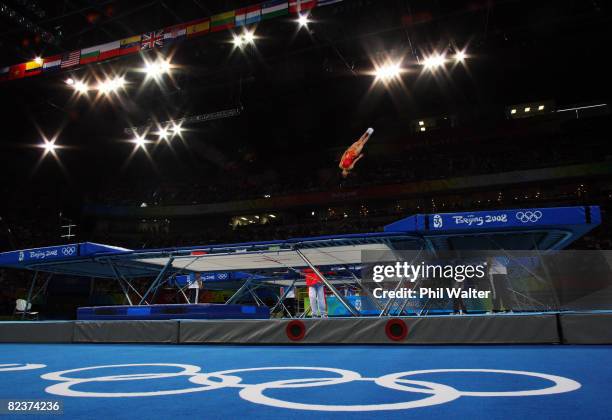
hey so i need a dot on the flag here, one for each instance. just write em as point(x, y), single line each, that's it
point(52, 63)
point(248, 15)
point(152, 40)
point(175, 33)
point(90, 55)
point(274, 8)
point(70, 59)
point(297, 6)
point(109, 50)
point(222, 21)
point(327, 2)
point(197, 27)
point(17, 71)
point(129, 45)
point(33, 67)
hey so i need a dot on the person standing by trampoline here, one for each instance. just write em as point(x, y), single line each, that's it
point(316, 294)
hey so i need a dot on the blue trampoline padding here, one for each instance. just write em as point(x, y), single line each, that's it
point(185, 311)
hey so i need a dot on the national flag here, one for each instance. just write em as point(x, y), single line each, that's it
point(175, 33)
point(297, 6)
point(274, 8)
point(129, 45)
point(90, 55)
point(197, 27)
point(248, 15)
point(70, 59)
point(152, 40)
point(33, 67)
point(327, 2)
point(52, 63)
point(109, 50)
point(222, 21)
point(17, 71)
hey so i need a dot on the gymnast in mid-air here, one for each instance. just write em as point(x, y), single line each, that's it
point(353, 153)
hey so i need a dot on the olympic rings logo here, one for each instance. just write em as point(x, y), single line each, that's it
point(529, 216)
point(434, 393)
point(68, 250)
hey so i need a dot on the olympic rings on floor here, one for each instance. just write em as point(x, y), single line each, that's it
point(436, 393)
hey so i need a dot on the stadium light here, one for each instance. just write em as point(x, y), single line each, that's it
point(249, 37)
point(38, 60)
point(111, 85)
point(244, 39)
point(177, 129)
point(527, 108)
point(541, 108)
point(238, 41)
point(157, 68)
point(460, 56)
point(513, 111)
point(387, 72)
point(434, 61)
point(49, 146)
point(70, 81)
point(303, 20)
point(162, 133)
point(139, 141)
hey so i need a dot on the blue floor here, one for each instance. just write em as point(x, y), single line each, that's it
point(582, 374)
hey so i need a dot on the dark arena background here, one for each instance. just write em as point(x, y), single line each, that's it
point(305, 209)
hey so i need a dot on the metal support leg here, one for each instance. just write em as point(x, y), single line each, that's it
point(239, 292)
point(120, 280)
point(331, 287)
point(29, 298)
point(157, 280)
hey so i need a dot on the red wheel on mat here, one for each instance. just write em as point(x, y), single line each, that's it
point(296, 330)
point(396, 329)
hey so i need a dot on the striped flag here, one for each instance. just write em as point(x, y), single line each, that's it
point(222, 21)
point(33, 67)
point(274, 8)
point(89, 55)
point(152, 40)
point(248, 15)
point(327, 2)
point(70, 59)
point(198, 27)
point(52, 63)
point(175, 33)
point(297, 6)
point(129, 45)
point(17, 71)
point(109, 50)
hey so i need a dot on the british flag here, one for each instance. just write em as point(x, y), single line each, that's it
point(152, 40)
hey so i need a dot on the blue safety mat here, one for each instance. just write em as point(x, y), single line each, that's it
point(175, 381)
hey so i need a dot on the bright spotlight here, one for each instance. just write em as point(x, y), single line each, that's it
point(70, 81)
point(303, 21)
point(513, 111)
point(156, 68)
point(388, 72)
point(48, 146)
point(249, 37)
point(527, 109)
point(139, 141)
point(460, 56)
point(238, 41)
point(162, 133)
point(80, 87)
point(541, 108)
point(434, 61)
point(177, 129)
point(38, 60)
